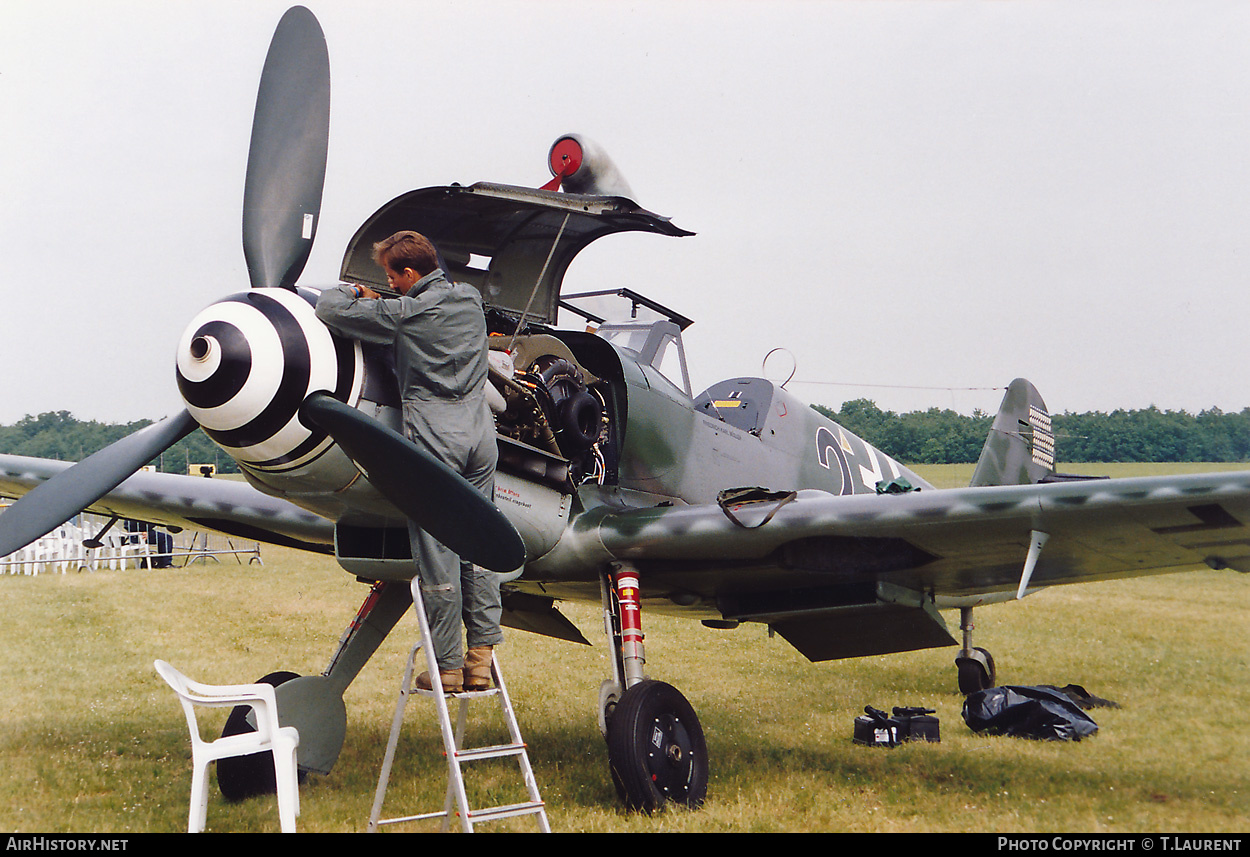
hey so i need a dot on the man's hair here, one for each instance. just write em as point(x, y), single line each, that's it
point(406, 250)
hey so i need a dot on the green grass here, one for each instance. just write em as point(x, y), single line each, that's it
point(92, 741)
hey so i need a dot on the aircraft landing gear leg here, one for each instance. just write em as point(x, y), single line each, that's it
point(975, 665)
point(656, 749)
point(612, 688)
point(314, 703)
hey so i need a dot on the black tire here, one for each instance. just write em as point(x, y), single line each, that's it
point(656, 750)
point(975, 676)
point(242, 777)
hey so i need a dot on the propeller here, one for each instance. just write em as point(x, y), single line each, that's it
point(286, 161)
point(281, 202)
point(54, 502)
point(433, 495)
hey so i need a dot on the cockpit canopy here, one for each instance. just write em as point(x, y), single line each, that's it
point(649, 332)
point(501, 239)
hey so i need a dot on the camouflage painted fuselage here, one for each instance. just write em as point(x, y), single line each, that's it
point(675, 450)
point(740, 433)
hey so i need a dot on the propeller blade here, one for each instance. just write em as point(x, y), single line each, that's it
point(72, 490)
point(431, 494)
point(286, 164)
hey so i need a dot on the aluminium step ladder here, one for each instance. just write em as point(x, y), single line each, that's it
point(453, 743)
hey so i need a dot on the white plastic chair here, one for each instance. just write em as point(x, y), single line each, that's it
point(133, 547)
point(269, 736)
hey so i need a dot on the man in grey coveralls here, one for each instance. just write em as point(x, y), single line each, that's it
point(438, 331)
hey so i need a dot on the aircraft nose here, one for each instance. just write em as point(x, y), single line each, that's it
point(247, 362)
point(220, 380)
point(212, 369)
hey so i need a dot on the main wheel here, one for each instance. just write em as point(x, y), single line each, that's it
point(656, 750)
point(241, 777)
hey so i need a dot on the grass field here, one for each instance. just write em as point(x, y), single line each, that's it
point(92, 741)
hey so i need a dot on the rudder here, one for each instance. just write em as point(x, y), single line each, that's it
point(1020, 449)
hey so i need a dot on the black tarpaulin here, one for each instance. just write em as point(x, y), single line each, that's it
point(1027, 712)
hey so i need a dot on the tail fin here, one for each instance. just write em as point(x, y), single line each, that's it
point(1020, 449)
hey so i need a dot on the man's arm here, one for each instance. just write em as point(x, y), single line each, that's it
point(359, 312)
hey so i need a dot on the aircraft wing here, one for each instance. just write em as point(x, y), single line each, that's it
point(192, 502)
point(852, 575)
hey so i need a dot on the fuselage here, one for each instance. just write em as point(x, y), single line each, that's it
point(246, 362)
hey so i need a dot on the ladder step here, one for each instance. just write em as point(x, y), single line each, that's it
point(487, 813)
point(407, 818)
point(470, 694)
point(469, 754)
point(452, 736)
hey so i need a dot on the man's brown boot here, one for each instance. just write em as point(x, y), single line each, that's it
point(477, 668)
point(452, 681)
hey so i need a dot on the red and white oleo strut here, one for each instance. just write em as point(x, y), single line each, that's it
point(625, 579)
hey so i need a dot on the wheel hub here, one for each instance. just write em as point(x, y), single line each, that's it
point(671, 761)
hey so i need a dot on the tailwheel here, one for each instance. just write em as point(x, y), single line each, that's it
point(976, 670)
point(242, 777)
point(656, 749)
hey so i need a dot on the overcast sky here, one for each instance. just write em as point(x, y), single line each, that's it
point(920, 197)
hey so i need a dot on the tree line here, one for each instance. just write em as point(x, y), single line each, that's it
point(1148, 434)
point(920, 437)
point(62, 436)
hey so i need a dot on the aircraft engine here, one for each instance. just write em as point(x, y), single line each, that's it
point(247, 362)
point(578, 416)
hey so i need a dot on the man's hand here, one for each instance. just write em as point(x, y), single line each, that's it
point(360, 290)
